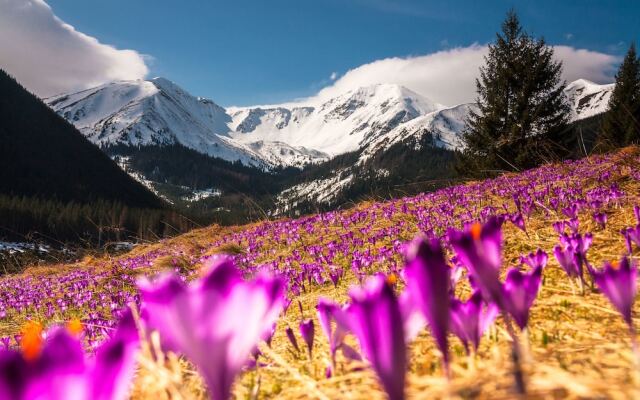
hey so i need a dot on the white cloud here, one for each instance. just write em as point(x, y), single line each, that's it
point(48, 56)
point(334, 76)
point(448, 76)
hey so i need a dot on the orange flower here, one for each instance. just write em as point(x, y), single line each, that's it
point(476, 230)
point(31, 340)
point(74, 327)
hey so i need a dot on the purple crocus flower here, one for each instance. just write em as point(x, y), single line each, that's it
point(479, 248)
point(61, 371)
point(376, 320)
point(427, 276)
point(518, 221)
point(618, 282)
point(307, 331)
point(328, 311)
point(335, 273)
point(216, 322)
point(601, 219)
point(535, 259)
point(574, 224)
point(519, 292)
point(631, 235)
point(469, 320)
point(292, 338)
point(559, 227)
point(568, 260)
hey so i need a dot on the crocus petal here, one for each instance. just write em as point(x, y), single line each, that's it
point(480, 250)
point(428, 285)
point(13, 375)
point(307, 331)
point(115, 362)
point(60, 372)
point(520, 291)
point(376, 320)
point(413, 320)
point(216, 322)
point(619, 284)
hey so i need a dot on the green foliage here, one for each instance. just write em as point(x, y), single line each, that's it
point(522, 107)
point(621, 125)
point(94, 224)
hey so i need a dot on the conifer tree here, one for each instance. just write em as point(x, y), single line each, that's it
point(522, 107)
point(621, 124)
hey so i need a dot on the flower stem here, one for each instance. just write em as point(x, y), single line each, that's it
point(516, 357)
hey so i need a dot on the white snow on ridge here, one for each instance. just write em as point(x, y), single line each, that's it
point(151, 112)
point(445, 125)
point(587, 98)
point(320, 191)
point(342, 124)
point(369, 119)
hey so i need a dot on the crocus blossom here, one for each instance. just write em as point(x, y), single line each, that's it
point(427, 275)
point(519, 292)
point(470, 319)
point(307, 331)
point(292, 338)
point(568, 261)
point(59, 370)
point(618, 282)
point(631, 236)
point(329, 311)
point(216, 322)
point(376, 320)
point(479, 248)
point(536, 259)
point(601, 219)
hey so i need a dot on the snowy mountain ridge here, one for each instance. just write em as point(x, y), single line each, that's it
point(367, 119)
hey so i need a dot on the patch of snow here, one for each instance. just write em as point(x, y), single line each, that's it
point(322, 191)
point(587, 98)
point(123, 162)
point(197, 195)
point(21, 247)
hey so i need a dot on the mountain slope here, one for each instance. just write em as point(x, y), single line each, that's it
point(342, 124)
point(368, 119)
point(155, 112)
point(587, 98)
point(43, 155)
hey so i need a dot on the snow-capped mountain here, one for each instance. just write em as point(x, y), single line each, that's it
point(445, 125)
point(367, 119)
point(154, 112)
point(342, 124)
point(587, 98)
point(158, 112)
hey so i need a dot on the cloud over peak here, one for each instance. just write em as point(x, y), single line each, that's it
point(448, 76)
point(48, 56)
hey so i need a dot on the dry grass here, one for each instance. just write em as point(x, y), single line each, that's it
point(577, 346)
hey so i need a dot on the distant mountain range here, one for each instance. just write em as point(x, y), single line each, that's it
point(362, 124)
point(367, 119)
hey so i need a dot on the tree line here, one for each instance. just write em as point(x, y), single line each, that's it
point(28, 218)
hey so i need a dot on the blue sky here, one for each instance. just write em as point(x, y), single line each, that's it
point(250, 52)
